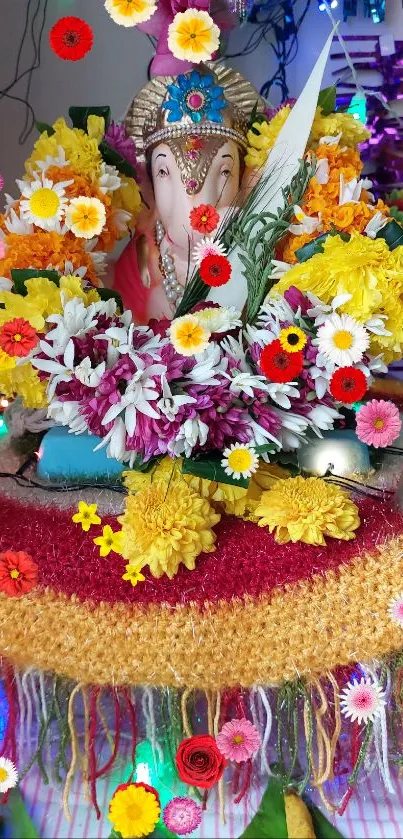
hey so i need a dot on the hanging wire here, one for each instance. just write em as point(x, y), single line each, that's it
point(35, 10)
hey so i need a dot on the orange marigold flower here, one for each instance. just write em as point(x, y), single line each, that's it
point(18, 573)
point(290, 244)
point(18, 337)
point(44, 249)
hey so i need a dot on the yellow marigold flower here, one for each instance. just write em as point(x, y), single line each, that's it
point(133, 574)
point(367, 270)
point(165, 526)
point(127, 197)
point(134, 811)
point(109, 541)
point(7, 362)
point(353, 131)
point(96, 128)
point(16, 306)
point(24, 381)
point(193, 36)
point(306, 510)
point(188, 336)
point(135, 481)
point(86, 516)
point(263, 136)
point(81, 150)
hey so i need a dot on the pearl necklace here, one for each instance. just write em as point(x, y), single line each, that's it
point(173, 289)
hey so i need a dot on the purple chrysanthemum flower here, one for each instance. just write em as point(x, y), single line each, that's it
point(182, 816)
point(118, 139)
point(266, 417)
point(227, 423)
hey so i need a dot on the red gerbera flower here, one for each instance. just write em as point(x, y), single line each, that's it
point(348, 385)
point(18, 573)
point(18, 337)
point(278, 365)
point(71, 38)
point(215, 269)
point(204, 219)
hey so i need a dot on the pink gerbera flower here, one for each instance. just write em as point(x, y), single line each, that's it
point(362, 701)
point(378, 423)
point(396, 610)
point(182, 816)
point(238, 740)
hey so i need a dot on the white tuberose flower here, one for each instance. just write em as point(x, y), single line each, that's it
point(306, 224)
point(342, 339)
point(8, 774)
point(169, 404)
point(362, 701)
point(375, 225)
point(240, 460)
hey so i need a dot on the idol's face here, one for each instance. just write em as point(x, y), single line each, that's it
point(173, 203)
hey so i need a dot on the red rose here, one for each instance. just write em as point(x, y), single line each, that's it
point(199, 762)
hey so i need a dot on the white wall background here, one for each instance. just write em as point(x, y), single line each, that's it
point(117, 65)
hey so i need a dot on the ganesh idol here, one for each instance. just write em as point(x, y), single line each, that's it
point(190, 134)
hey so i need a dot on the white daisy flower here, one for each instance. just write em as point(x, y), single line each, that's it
point(362, 701)
point(396, 610)
point(306, 224)
point(43, 202)
point(207, 247)
point(8, 774)
point(342, 340)
point(240, 460)
point(349, 193)
point(376, 223)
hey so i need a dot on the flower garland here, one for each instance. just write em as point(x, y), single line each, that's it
point(74, 205)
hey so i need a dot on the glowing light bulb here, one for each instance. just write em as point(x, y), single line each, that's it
point(4, 403)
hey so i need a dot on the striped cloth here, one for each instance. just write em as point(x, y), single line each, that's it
point(371, 814)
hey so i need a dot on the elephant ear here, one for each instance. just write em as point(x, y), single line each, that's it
point(281, 166)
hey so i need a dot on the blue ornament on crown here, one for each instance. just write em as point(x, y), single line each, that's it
point(195, 96)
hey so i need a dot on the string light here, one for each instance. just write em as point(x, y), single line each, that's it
point(358, 107)
point(4, 403)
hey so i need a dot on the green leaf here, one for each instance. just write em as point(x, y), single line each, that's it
point(140, 466)
point(20, 275)
point(209, 466)
point(79, 115)
point(266, 448)
point(322, 827)
point(18, 819)
point(392, 233)
point(113, 158)
point(43, 127)
point(327, 100)
point(316, 246)
point(108, 293)
point(269, 821)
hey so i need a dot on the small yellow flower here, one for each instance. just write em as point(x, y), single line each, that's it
point(306, 510)
point(85, 217)
point(86, 515)
point(110, 541)
point(262, 137)
point(130, 12)
point(193, 36)
point(188, 336)
point(134, 811)
point(292, 339)
point(133, 574)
